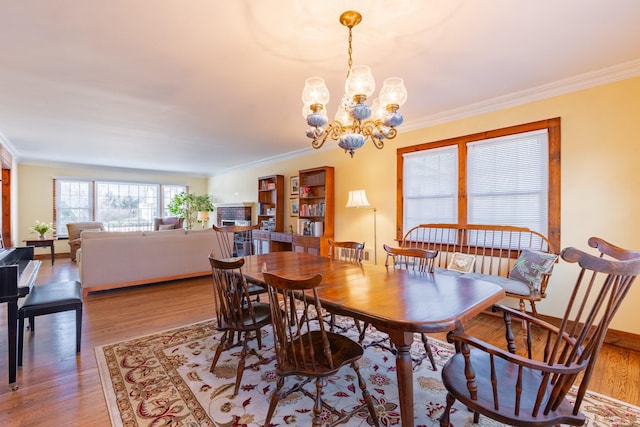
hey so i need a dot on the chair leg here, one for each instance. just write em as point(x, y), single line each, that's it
point(259, 338)
point(523, 309)
point(219, 349)
point(32, 324)
point(358, 327)
point(241, 363)
point(427, 348)
point(444, 418)
point(363, 331)
point(365, 394)
point(317, 406)
point(273, 401)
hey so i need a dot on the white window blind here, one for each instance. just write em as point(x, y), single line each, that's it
point(507, 181)
point(430, 190)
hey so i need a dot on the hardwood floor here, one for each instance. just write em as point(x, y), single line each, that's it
point(57, 387)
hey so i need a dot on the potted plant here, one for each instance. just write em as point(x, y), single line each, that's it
point(41, 228)
point(187, 205)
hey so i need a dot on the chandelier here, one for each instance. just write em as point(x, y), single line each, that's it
point(355, 121)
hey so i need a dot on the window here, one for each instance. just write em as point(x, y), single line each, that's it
point(73, 203)
point(168, 193)
point(507, 176)
point(120, 206)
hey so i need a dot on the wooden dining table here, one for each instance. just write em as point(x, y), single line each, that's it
point(395, 301)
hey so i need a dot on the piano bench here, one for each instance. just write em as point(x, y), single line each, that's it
point(48, 299)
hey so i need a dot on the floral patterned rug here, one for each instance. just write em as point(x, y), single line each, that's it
point(164, 380)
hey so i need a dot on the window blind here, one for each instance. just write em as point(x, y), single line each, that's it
point(431, 186)
point(507, 180)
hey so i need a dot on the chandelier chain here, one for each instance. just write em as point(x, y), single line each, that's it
point(350, 61)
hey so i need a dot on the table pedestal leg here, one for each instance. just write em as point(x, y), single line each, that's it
point(404, 371)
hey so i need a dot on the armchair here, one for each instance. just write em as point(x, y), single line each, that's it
point(528, 387)
point(166, 221)
point(74, 229)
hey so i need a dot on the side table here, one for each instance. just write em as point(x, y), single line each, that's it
point(43, 243)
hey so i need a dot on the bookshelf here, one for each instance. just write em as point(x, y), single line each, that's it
point(271, 201)
point(316, 209)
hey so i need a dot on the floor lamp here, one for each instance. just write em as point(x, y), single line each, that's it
point(358, 199)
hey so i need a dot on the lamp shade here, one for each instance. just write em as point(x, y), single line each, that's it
point(360, 81)
point(203, 216)
point(357, 199)
point(393, 92)
point(315, 92)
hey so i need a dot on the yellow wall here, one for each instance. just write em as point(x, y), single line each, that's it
point(35, 193)
point(600, 180)
point(600, 158)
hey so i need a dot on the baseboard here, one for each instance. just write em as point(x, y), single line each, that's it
point(48, 256)
point(622, 339)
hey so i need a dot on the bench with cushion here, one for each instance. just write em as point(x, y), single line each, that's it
point(518, 259)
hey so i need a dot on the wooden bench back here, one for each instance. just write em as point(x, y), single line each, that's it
point(495, 247)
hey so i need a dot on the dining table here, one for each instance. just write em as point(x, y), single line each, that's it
point(395, 301)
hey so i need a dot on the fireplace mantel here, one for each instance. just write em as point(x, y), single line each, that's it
point(234, 205)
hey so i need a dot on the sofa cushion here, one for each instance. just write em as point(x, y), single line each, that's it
point(530, 266)
point(164, 233)
point(111, 234)
point(164, 227)
point(510, 286)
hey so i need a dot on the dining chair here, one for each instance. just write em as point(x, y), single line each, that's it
point(234, 241)
point(304, 348)
point(236, 313)
point(409, 259)
point(348, 251)
point(528, 386)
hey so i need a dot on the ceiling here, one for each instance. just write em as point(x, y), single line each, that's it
point(202, 86)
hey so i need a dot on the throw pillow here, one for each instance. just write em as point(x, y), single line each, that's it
point(530, 266)
point(461, 262)
point(162, 227)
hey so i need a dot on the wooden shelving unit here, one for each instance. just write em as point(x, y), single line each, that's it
point(271, 200)
point(316, 209)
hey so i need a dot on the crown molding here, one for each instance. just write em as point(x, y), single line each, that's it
point(588, 80)
point(267, 160)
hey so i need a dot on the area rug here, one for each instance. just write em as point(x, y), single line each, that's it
point(164, 380)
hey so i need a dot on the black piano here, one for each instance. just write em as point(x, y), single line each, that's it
point(18, 272)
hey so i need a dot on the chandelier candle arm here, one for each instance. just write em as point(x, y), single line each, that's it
point(355, 121)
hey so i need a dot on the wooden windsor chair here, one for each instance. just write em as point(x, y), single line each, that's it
point(305, 349)
point(528, 387)
point(236, 313)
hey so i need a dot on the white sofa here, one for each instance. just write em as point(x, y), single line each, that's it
point(109, 260)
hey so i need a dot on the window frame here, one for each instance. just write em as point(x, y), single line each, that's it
point(553, 129)
point(61, 232)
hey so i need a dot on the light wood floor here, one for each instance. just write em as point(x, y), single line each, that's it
point(59, 388)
